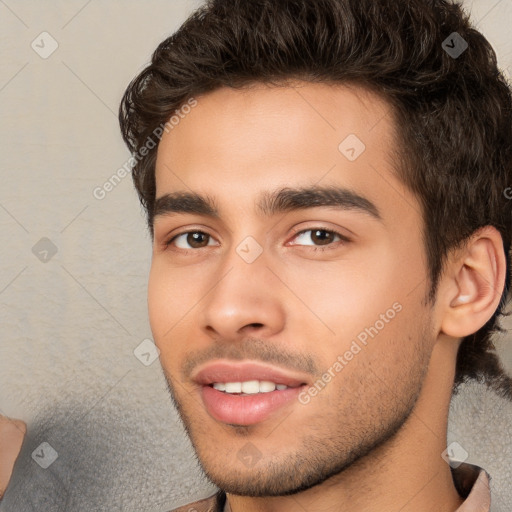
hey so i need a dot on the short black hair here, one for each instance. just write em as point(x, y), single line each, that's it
point(452, 107)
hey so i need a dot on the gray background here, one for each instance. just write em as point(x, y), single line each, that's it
point(71, 320)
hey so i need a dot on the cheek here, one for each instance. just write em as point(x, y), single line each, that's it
point(365, 311)
point(171, 295)
point(346, 298)
point(159, 296)
point(174, 295)
point(169, 302)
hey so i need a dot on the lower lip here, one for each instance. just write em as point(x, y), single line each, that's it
point(246, 410)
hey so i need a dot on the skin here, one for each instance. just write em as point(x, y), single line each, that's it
point(372, 439)
point(12, 433)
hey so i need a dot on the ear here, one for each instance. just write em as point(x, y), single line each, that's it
point(472, 283)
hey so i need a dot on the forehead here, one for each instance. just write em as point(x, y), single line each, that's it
point(240, 142)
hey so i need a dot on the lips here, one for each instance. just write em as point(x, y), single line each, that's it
point(242, 372)
point(239, 408)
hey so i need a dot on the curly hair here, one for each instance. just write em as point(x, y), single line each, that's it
point(453, 112)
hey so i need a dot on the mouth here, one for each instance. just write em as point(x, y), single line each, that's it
point(246, 393)
point(249, 387)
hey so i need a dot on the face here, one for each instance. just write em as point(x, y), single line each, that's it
point(287, 283)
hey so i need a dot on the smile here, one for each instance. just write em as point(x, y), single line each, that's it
point(249, 387)
point(247, 393)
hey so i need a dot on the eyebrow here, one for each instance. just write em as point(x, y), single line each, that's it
point(271, 203)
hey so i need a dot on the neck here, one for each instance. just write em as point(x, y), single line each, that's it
point(406, 473)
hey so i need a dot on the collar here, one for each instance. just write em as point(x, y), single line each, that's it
point(471, 482)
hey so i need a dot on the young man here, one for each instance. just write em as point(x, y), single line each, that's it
point(327, 184)
point(325, 187)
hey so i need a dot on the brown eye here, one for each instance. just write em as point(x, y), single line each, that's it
point(197, 239)
point(321, 236)
point(191, 240)
point(317, 237)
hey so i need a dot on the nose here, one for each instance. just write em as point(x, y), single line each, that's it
point(246, 300)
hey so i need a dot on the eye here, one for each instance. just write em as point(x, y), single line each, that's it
point(318, 237)
point(191, 240)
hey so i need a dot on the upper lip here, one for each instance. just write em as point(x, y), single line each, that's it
point(226, 371)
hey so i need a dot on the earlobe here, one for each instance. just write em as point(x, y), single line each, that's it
point(475, 282)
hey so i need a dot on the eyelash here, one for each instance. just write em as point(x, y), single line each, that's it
point(343, 239)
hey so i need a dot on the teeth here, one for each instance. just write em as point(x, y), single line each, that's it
point(249, 387)
point(233, 387)
point(266, 386)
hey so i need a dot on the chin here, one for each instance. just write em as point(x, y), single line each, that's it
point(293, 474)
